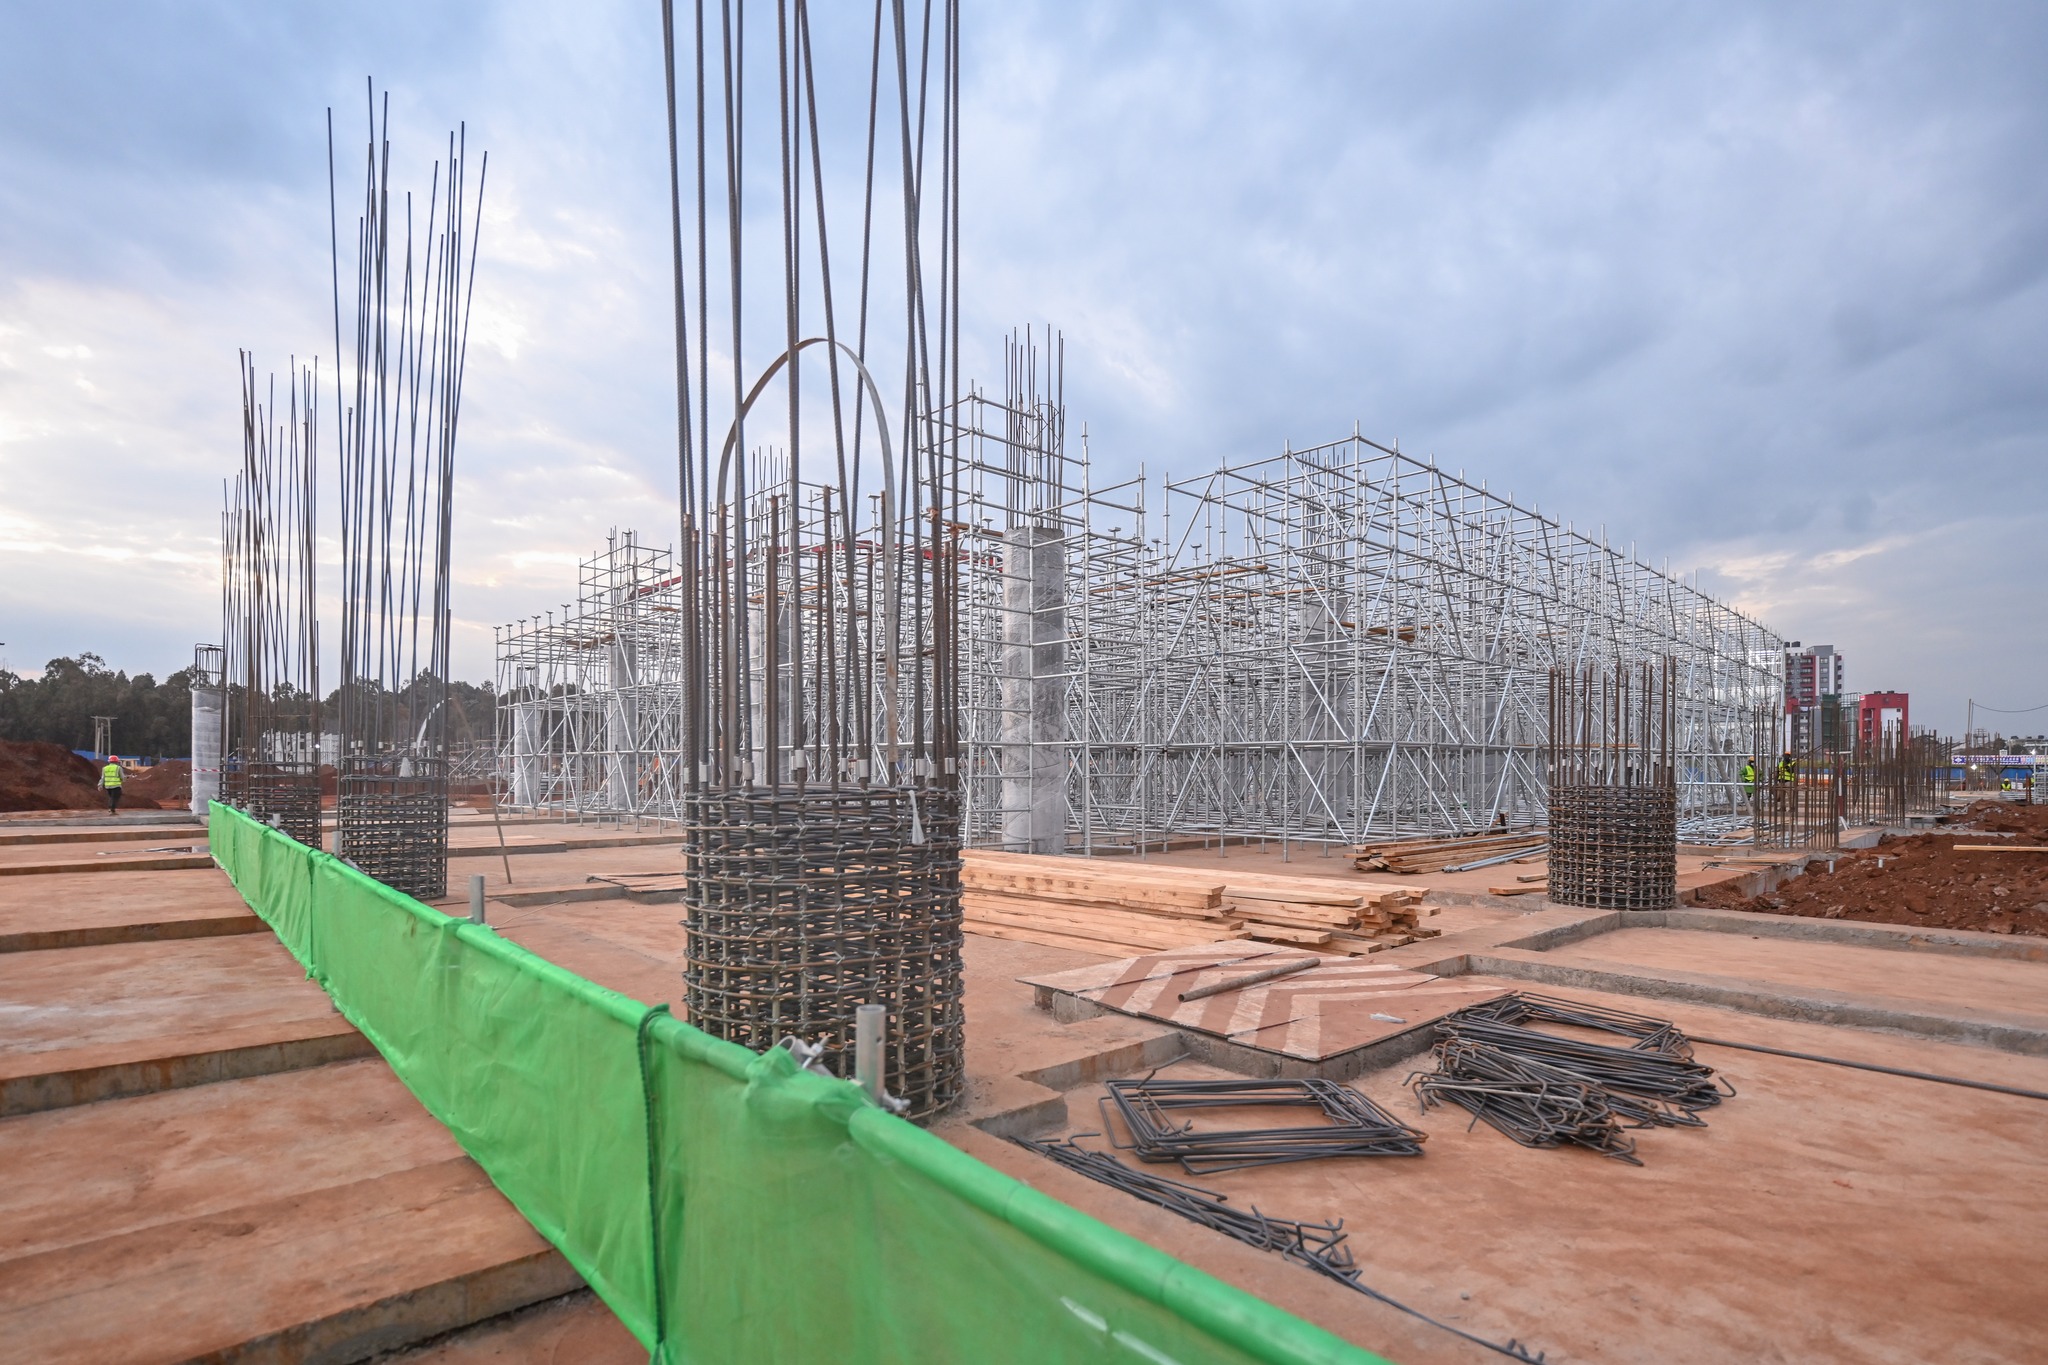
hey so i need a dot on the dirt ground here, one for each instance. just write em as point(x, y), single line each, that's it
point(35, 775)
point(1922, 880)
point(167, 786)
point(1823, 1214)
point(39, 776)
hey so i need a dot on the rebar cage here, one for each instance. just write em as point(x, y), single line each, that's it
point(1613, 791)
point(806, 905)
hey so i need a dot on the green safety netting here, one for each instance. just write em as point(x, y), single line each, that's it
point(729, 1206)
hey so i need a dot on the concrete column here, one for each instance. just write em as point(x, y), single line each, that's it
point(622, 731)
point(526, 766)
point(1034, 735)
point(208, 721)
point(762, 655)
point(1323, 714)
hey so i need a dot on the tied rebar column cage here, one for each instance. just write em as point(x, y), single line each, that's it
point(400, 393)
point(1613, 788)
point(819, 575)
point(269, 710)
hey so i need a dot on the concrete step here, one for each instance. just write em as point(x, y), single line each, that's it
point(98, 1023)
point(95, 834)
point(78, 910)
point(318, 1215)
point(74, 819)
point(576, 1329)
point(140, 861)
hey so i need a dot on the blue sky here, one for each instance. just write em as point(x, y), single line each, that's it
point(1762, 288)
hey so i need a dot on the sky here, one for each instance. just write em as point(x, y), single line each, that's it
point(1760, 288)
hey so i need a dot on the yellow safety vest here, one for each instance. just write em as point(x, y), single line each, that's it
point(110, 776)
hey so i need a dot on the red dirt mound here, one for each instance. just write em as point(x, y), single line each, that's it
point(1924, 880)
point(38, 776)
point(168, 785)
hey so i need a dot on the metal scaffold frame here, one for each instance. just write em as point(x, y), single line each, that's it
point(1326, 645)
point(1344, 641)
point(590, 700)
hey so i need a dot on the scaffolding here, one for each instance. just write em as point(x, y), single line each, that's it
point(590, 701)
point(1328, 645)
point(1345, 642)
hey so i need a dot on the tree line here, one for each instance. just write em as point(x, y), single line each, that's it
point(153, 719)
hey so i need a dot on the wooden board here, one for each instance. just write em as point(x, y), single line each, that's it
point(1274, 933)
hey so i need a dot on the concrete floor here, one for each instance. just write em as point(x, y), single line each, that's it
point(576, 1329)
point(193, 1170)
point(1824, 1215)
point(79, 909)
point(2018, 987)
point(1314, 861)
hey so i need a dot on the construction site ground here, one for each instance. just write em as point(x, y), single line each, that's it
point(205, 1160)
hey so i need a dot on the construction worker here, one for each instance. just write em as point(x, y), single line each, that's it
point(110, 780)
point(1748, 777)
point(1788, 768)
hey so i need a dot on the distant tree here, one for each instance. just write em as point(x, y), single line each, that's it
point(470, 710)
point(151, 719)
point(154, 719)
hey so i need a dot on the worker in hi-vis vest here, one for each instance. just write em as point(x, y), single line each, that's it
point(1788, 769)
point(110, 779)
point(1749, 777)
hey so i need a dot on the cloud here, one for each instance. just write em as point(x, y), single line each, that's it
point(1762, 289)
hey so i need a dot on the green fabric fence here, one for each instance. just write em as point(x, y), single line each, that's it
point(730, 1206)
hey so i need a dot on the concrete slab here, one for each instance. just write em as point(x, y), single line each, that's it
point(73, 819)
point(319, 1215)
point(90, 834)
point(2016, 987)
point(87, 1024)
point(576, 1329)
point(1329, 1020)
point(334, 1274)
point(1961, 1023)
point(1823, 1215)
point(1695, 869)
point(38, 862)
point(79, 910)
point(1021, 1062)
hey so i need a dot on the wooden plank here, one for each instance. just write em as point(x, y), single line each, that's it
point(1297, 909)
point(1093, 917)
point(1075, 905)
point(1088, 886)
point(1105, 898)
point(1275, 933)
point(1098, 947)
point(1301, 921)
point(1357, 946)
point(2001, 848)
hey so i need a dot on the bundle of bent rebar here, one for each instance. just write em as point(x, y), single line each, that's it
point(1318, 1246)
point(1545, 1089)
point(1353, 1125)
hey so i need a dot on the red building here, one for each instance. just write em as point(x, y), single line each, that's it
point(1880, 714)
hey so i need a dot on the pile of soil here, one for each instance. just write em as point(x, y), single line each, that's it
point(35, 775)
point(1924, 881)
point(167, 786)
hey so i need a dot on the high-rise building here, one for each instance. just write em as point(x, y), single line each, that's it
point(1811, 673)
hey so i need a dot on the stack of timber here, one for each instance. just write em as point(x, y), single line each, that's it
point(1144, 907)
point(1406, 857)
